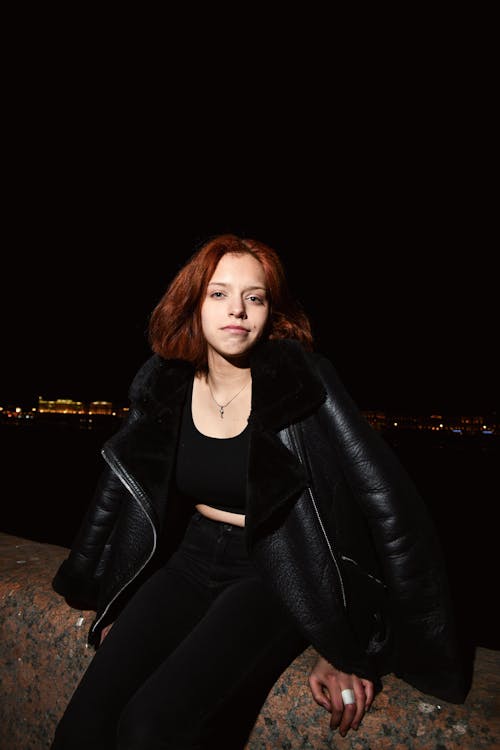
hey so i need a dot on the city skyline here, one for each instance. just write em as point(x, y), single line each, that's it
point(86, 415)
point(79, 406)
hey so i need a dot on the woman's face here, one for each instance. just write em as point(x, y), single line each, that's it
point(235, 309)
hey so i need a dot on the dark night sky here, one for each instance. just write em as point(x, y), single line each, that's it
point(385, 228)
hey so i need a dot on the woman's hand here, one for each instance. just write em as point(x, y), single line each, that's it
point(105, 631)
point(327, 682)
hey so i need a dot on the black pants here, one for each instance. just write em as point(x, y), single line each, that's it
point(191, 658)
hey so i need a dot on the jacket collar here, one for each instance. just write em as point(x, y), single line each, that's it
point(285, 386)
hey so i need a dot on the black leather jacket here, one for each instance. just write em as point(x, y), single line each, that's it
point(333, 521)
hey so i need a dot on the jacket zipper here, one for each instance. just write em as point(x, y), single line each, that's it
point(364, 572)
point(296, 443)
point(138, 496)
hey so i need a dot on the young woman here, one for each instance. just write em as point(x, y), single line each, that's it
point(247, 510)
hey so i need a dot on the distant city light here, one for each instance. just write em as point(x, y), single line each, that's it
point(94, 414)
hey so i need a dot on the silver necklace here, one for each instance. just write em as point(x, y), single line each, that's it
point(221, 407)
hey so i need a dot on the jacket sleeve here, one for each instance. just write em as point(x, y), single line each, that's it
point(77, 579)
point(405, 538)
point(402, 529)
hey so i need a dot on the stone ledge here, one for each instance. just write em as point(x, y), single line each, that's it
point(37, 682)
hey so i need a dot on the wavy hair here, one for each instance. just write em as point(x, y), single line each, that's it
point(175, 330)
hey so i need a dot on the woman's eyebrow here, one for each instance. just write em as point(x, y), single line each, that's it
point(247, 288)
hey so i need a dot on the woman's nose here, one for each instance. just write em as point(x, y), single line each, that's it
point(237, 308)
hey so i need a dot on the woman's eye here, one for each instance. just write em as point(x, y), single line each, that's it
point(251, 298)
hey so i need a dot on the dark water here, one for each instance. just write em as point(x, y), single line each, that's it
point(49, 475)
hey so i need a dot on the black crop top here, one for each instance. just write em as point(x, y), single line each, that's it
point(211, 470)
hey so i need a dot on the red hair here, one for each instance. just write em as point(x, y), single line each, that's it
point(175, 324)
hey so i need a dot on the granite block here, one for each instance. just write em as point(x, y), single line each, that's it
point(43, 654)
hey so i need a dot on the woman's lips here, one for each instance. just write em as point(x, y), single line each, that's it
point(235, 329)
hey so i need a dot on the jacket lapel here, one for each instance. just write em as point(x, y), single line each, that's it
point(146, 444)
point(285, 389)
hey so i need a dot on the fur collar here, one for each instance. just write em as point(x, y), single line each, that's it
point(285, 385)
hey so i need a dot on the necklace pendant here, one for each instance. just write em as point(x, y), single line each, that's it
point(221, 409)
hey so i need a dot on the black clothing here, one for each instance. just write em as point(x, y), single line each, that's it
point(333, 523)
point(190, 660)
point(211, 470)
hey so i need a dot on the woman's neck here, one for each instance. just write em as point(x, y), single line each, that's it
point(226, 374)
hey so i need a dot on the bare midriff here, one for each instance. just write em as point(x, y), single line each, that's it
point(224, 516)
